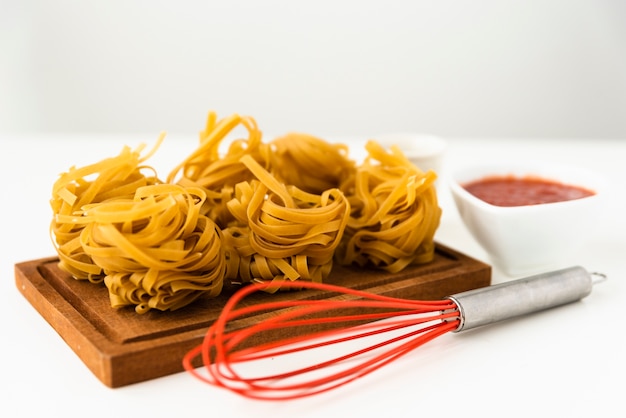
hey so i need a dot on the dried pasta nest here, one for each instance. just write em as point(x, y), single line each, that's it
point(282, 232)
point(310, 163)
point(218, 174)
point(283, 210)
point(112, 178)
point(157, 251)
point(394, 213)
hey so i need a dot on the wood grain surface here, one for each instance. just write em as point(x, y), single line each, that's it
point(121, 347)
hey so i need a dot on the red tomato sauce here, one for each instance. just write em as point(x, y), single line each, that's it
point(523, 191)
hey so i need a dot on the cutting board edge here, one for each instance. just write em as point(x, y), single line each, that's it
point(117, 365)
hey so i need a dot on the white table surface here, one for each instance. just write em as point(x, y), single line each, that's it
point(569, 361)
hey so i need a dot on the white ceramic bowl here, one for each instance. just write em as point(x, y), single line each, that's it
point(524, 240)
point(424, 150)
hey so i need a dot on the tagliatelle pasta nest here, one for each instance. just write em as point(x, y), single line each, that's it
point(218, 174)
point(310, 163)
point(286, 209)
point(112, 178)
point(394, 212)
point(156, 250)
point(284, 232)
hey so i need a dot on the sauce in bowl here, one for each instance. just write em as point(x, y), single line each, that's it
point(523, 191)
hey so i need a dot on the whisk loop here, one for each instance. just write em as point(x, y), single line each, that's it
point(371, 330)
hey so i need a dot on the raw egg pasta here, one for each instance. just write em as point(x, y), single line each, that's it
point(111, 178)
point(218, 174)
point(310, 163)
point(241, 211)
point(394, 212)
point(283, 232)
point(157, 250)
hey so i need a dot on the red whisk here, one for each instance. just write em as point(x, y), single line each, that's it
point(310, 327)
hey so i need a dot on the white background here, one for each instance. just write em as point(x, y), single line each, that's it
point(78, 80)
point(482, 68)
point(565, 362)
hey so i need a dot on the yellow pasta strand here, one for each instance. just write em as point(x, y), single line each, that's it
point(310, 163)
point(111, 178)
point(283, 210)
point(395, 212)
point(285, 233)
point(218, 174)
point(157, 251)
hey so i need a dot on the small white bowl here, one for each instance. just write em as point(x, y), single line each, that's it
point(524, 240)
point(424, 150)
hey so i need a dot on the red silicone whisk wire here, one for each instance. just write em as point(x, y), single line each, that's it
point(223, 351)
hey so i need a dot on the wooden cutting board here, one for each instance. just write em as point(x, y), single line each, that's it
point(121, 347)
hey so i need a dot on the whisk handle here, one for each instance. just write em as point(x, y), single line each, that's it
point(495, 303)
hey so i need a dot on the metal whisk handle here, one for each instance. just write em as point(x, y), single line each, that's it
point(495, 303)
